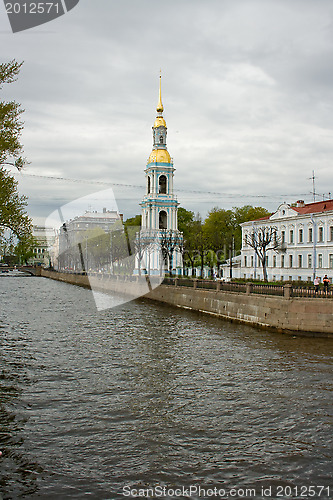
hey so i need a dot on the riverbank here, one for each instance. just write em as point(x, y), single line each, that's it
point(287, 314)
point(294, 315)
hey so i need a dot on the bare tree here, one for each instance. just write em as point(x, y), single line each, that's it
point(141, 244)
point(262, 239)
point(170, 240)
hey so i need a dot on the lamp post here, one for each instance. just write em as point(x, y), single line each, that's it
point(314, 237)
point(232, 251)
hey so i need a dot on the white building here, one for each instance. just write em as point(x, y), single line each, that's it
point(44, 237)
point(305, 236)
point(75, 234)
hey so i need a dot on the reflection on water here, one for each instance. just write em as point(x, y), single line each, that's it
point(145, 395)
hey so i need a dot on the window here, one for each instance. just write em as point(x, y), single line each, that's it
point(252, 261)
point(148, 189)
point(310, 260)
point(300, 261)
point(290, 261)
point(163, 219)
point(331, 233)
point(245, 261)
point(321, 234)
point(266, 260)
point(274, 260)
point(283, 236)
point(291, 236)
point(320, 261)
point(330, 260)
point(162, 182)
point(275, 238)
point(300, 236)
point(161, 139)
point(282, 260)
point(310, 234)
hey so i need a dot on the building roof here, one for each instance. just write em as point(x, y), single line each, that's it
point(108, 214)
point(303, 209)
point(311, 208)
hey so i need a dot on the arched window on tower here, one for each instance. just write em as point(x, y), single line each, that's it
point(162, 183)
point(148, 188)
point(163, 220)
point(161, 139)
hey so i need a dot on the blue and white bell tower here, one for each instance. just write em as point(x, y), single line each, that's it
point(160, 205)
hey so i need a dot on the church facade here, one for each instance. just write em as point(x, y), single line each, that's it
point(159, 243)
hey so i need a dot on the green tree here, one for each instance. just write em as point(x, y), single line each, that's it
point(24, 249)
point(133, 221)
point(11, 125)
point(185, 226)
point(13, 218)
point(219, 228)
point(15, 225)
point(185, 220)
point(199, 244)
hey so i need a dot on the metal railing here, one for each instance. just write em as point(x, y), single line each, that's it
point(287, 290)
point(310, 292)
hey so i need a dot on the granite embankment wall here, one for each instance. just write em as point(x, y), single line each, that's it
point(306, 316)
point(309, 316)
point(72, 279)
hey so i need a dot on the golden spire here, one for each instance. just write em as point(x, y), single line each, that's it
point(160, 108)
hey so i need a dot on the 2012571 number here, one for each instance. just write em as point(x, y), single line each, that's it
point(32, 7)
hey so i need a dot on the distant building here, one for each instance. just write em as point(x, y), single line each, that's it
point(44, 237)
point(305, 235)
point(75, 233)
point(231, 271)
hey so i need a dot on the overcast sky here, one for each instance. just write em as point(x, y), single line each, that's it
point(247, 88)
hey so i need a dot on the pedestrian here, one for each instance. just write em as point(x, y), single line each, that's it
point(316, 284)
point(326, 282)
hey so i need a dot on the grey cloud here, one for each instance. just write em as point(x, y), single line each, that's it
point(246, 91)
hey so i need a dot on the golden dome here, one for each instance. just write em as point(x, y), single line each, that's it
point(159, 156)
point(159, 122)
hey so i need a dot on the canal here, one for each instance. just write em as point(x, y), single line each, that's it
point(105, 405)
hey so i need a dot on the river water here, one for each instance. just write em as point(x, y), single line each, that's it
point(104, 405)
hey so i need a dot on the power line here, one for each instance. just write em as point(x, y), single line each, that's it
point(137, 186)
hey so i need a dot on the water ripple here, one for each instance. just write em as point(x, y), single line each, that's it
point(145, 395)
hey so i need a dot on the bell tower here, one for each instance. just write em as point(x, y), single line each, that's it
point(159, 205)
